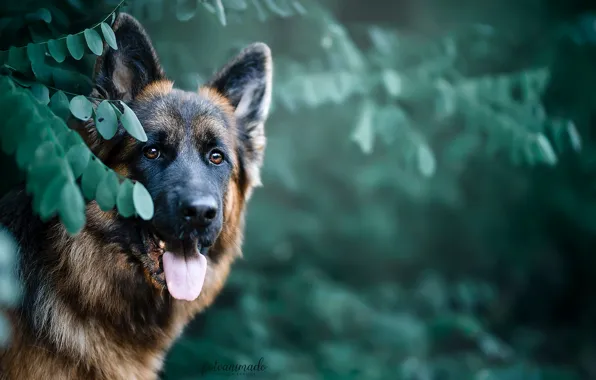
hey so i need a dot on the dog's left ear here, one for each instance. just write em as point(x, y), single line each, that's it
point(246, 82)
point(123, 73)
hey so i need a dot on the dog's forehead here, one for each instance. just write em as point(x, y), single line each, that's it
point(181, 114)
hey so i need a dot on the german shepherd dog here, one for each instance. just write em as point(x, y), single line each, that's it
point(109, 302)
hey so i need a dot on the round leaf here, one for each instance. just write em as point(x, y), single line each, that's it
point(76, 45)
point(94, 41)
point(72, 208)
point(42, 72)
point(142, 201)
point(131, 123)
point(13, 130)
point(124, 200)
point(109, 36)
point(26, 151)
point(41, 93)
point(17, 58)
point(41, 172)
point(107, 190)
point(221, 13)
point(41, 14)
point(72, 81)
point(51, 197)
point(426, 160)
point(36, 53)
point(574, 137)
point(81, 107)
point(91, 177)
point(78, 158)
point(106, 121)
point(60, 106)
point(58, 49)
point(546, 150)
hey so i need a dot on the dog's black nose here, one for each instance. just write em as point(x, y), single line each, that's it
point(199, 211)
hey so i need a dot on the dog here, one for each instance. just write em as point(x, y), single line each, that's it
point(110, 301)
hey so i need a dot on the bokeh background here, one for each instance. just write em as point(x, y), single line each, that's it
point(428, 209)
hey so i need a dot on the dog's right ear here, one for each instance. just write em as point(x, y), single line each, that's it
point(122, 74)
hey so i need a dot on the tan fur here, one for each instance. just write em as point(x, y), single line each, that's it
point(91, 349)
point(92, 330)
point(157, 88)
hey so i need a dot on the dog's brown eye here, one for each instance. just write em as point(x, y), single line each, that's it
point(151, 152)
point(216, 157)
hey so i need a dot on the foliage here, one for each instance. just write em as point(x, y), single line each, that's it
point(53, 156)
point(428, 202)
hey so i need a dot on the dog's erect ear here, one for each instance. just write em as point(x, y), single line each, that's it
point(123, 73)
point(246, 82)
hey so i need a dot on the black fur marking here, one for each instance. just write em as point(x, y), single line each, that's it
point(135, 55)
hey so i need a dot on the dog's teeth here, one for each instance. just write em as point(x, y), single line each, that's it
point(162, 244)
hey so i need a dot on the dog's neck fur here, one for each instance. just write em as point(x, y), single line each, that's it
point(78, 323)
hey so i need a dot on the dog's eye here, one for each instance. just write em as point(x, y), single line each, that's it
point(151, 152)
point(216, 157)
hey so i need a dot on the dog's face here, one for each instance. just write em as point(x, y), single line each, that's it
point(204, 148)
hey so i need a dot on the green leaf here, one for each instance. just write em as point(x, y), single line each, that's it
point(44, 165)
point(392, 82)
point(36, 53)
point(107, 190)
point(17, 58)
point(26, 151)
point(299, 7)
point(12, 130)
point(106, 120)
point(546, 150)
point(81, 107)
point(72, 81)
point(22, 82)
point(78, 157)
point(91, 177)
point(237, 5)
point(142, 201)
point(131, 123)
point(124, 200)
point(275, 8)
point(60, 106)
point(41, 93)
point(426, 160)
point(364, 134)
point(109, 36)
point(117, 110)
point(58, 49)
point(42, 72)
point(221, 13)
point(94, 41)
point(185, 9)
point(76, 45)
point(42, 14)
point(72, 208)
point(51, 197)
point(574, 137)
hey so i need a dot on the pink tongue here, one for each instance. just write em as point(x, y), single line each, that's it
point(184, 275)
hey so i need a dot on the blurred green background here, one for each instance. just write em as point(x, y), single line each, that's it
point(428, 207)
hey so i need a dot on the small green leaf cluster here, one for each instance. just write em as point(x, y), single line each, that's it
point(405, 85)
point(56, 157)
point(62, 174)
point(186, 10)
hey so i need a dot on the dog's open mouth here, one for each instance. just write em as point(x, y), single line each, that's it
point(179, 266)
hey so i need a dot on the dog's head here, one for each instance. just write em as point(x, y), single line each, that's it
point(204, 148)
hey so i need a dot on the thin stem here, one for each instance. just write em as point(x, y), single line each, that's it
point(74, 94)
